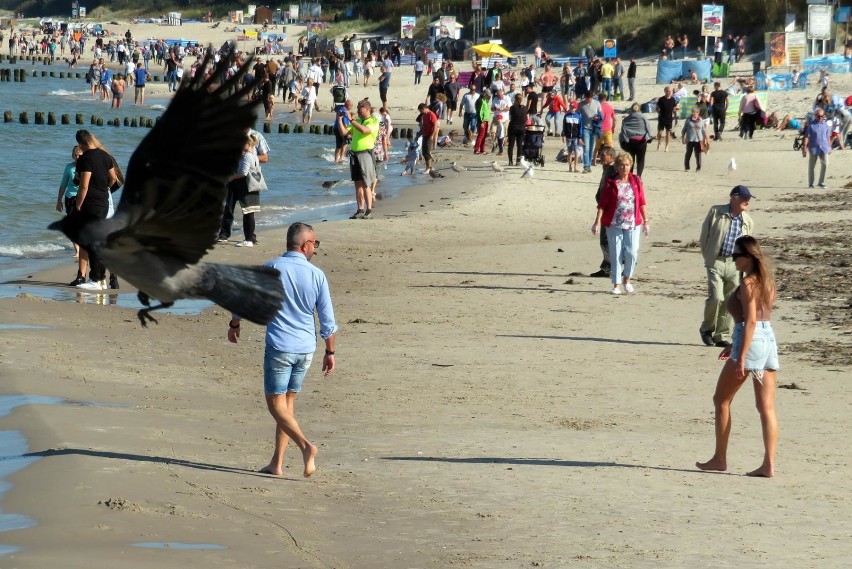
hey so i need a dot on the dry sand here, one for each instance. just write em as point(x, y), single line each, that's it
point(492, 406)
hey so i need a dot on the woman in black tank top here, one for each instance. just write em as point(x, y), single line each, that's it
point(754, 353)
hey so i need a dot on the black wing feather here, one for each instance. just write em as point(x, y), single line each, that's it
point(174, 193)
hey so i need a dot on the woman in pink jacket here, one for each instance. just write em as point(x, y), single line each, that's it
point(622, 212)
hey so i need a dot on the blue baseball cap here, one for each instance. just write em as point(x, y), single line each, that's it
point(742, 192)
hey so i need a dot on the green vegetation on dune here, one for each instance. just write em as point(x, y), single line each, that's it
point(563, 26)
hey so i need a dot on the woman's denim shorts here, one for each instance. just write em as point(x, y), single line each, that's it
point(763, 351)
point(284, 372)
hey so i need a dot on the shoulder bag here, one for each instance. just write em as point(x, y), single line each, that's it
point(255, 180)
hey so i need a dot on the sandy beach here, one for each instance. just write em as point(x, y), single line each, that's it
point(493, 406)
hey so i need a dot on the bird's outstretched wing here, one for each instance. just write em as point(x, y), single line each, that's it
point(174, 193)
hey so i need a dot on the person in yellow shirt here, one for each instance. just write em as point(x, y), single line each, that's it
point(363, 130)
point(607, 71)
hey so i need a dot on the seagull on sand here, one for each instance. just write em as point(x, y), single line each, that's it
point(434, 174)
point(732, 166)
point(529, 172)
point(458, 168)
point(172, 202)
point(523, 162)
point(496, 167)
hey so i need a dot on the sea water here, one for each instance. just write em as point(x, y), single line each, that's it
point(33, 157)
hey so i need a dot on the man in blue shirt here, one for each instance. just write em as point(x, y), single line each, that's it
point(291, 342)
point(817, 144)
point(140, 76)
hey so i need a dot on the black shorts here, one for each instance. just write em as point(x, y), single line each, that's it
point(426, 148)
point(452, 105)
point(664, 124)
point(70, 204)
point(383, 94)
point(546, 89)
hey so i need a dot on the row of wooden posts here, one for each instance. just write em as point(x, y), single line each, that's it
point(145, 122)
point(19, 75)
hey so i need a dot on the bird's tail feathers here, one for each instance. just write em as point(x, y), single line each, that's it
point(252, 292)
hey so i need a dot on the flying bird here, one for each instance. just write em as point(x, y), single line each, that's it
point(496, 167)
point(732, 166)
point(458, 168)
point(434, 174)
point(529, 172)
point(172, 203)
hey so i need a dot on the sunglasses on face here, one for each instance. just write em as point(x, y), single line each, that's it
point(739, 255)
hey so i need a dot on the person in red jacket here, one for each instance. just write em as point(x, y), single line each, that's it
point(623, 212)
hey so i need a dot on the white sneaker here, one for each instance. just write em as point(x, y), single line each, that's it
point(615, 290)
point(245, 244)
point(629, 287)
point(93, 285)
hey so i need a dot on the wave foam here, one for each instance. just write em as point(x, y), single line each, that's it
point(35, 250)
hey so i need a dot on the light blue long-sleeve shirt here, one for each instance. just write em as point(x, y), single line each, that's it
point(305, 290)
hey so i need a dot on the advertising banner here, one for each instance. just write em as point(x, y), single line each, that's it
point(316, 29)
point(796, 48)
point(294, 12)
point(712, 17)
point(406, 26)
point(610, 48)
point(776, 49)
point(819, 22)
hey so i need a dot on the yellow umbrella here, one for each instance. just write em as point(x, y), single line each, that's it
point(489, 49)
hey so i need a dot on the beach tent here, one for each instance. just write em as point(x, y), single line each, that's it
point(669, 70)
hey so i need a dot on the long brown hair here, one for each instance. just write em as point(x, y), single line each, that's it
point(761, 269)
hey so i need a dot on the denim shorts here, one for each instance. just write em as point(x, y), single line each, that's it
point(284, 372)
point(763, 351)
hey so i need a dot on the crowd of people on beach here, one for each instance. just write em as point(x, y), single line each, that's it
point(498, 107)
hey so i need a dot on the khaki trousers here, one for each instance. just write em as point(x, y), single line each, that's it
point(722, 279)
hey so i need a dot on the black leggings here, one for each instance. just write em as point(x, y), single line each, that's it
point(516, 137)
point(690, 148)
point(718, 121)
point(636, 149)
point(747, 124)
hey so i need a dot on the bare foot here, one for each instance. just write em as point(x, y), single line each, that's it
point(309, 454)
point(712, 464)
point(762, 472)
point(269, 469)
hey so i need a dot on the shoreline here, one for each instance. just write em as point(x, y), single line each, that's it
point(493, 406)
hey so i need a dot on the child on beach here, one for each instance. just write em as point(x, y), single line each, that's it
point(412, 153)
point(572, 126)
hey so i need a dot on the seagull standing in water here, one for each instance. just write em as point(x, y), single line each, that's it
point(172, 204)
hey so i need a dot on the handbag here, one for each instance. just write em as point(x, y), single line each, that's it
point(255, 180)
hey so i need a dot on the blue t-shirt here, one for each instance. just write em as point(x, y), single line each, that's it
point(68, 180)
point(106, 77)
point(139, 76)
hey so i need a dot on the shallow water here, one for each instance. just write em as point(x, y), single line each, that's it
point(178, 545)
point(14, 447)
point(34, 156)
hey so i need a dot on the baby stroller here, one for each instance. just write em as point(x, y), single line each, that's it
point(533, 143)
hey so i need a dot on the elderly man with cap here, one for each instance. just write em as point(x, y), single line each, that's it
point(723, 225)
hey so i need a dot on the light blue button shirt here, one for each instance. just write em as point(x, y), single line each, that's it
point(305, 289)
